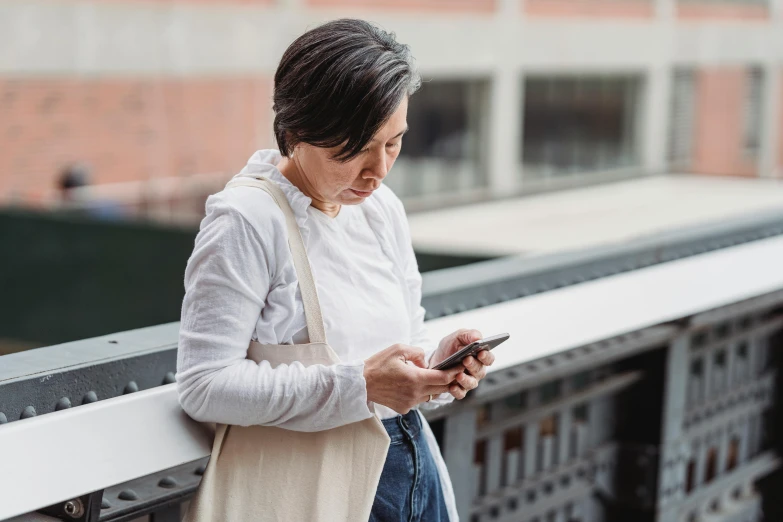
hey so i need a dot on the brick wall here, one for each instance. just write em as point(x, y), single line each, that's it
point(128, 129)
point(711, 10)
point(593, 8)
point(485, 6)
point(719, 123)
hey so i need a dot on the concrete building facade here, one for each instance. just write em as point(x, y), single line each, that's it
point(520, 96)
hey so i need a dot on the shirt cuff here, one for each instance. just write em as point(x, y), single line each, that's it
point(353, 392)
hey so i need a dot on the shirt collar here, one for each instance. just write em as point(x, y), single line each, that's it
point(264, 163)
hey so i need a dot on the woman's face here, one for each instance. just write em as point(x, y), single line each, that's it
point(331, 183)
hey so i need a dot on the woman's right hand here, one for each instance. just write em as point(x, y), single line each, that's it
point(394, 383)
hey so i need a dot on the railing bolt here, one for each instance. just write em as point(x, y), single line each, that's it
point(74, 508)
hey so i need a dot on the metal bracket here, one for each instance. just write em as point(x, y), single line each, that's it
point(86, 508)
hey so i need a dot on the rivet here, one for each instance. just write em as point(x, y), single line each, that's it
point(28, 412)
point(89, 397)
point(128, 494)
point(74, 508)
point(105, 504)
point(201, 469)
point(3, 418)
point(169, 378)
point(131, 387)
point(63, 404)
point(167, 482)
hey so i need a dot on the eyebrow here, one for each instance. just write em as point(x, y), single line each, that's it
point(394, 137)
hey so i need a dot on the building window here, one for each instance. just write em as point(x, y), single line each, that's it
point(690, 476)
point(719, 371)
point(753, 119)
point(723, 330)
point(696, 381)
point(547, 443)
point(441, 153)
point(550, 391)
point(513, 455)
point(517, 401)
point(733, 455)
point(682, 119)
point(580, 381)
point(579, 124)
point(699, 340)
point(548, 426)
point(482, 415)
point(712, 465)
point(741, 365)
point(579, 431)
point(479, 466)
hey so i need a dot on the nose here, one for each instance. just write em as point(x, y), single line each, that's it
point(377, 168)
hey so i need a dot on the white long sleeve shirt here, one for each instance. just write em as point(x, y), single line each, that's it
point(240, 284)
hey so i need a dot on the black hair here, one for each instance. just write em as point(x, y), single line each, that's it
point(337, 84)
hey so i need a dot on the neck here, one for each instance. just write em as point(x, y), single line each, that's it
point(293, 173)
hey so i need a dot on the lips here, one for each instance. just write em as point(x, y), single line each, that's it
point(361, 193)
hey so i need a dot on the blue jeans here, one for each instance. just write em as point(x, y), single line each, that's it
point(409, 489)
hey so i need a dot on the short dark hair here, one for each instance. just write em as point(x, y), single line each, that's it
point(337, 84)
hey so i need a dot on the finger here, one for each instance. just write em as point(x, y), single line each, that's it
point(475, 368)
point(479, 373)
point(486, 357)
point(472, 364)
point(439, 377)
point(436, 390)
point(468, 382)
point(458, 392)
point(414, 354)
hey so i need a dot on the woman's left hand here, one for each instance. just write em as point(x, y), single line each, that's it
point(476, 366)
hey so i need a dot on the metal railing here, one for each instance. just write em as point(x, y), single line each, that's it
point(548, 435)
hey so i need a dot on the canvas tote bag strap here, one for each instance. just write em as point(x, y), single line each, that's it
point(312, 308)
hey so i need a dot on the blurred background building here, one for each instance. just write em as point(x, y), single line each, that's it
point(621, 156)
point(163, 101)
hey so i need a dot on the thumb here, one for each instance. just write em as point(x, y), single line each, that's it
point(413, 354)
point(468, 336)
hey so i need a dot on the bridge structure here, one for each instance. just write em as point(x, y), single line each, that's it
point(639, 384)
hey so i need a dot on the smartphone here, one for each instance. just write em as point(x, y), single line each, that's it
point(472, 349)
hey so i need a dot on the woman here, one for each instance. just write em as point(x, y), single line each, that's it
point(340, 101)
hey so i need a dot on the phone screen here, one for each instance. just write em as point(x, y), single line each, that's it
point(473, 348)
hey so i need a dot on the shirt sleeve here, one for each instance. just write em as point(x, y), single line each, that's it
point(227, 280)
point(420, 336)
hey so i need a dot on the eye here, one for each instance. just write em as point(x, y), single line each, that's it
point(394, 145)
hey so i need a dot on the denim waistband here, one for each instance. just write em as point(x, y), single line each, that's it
point(403, 426)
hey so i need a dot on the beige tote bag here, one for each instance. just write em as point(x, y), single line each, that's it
point(264, 473)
